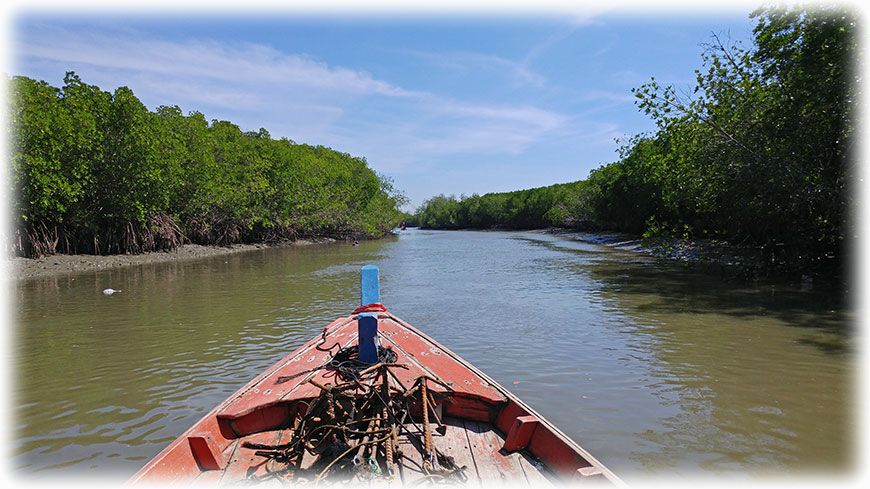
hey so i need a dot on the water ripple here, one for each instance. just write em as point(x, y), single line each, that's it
point(653, 369)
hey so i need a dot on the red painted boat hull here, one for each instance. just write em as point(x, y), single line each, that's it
point(210, 451)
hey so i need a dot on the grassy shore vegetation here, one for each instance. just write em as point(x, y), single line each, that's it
point(759, 153)
point(97, 172)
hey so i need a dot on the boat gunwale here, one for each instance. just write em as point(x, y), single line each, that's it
point(511, 397)
point(218, 409)
point(342, 322)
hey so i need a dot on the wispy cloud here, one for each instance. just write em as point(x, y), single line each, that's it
point(207, 59)
point(399, 129)
point(545, 45)
point(464, 62)
point(441, 128)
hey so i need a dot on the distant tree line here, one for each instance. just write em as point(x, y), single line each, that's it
point(760, 152)
point(97, 172)
point(555, 205)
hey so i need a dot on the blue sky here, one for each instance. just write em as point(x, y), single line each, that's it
point(445, 100)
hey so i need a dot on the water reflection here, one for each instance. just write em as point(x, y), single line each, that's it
point(652, 368)
point(746, 370)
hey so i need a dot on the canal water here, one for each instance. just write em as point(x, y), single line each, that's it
point(657, 370)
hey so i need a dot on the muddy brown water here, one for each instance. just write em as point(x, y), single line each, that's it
point(657, 370)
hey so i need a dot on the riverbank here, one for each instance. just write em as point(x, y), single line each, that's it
point(720, 258)
point(24, 268)
point(715, 257)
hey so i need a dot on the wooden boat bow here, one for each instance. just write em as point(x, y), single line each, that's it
point(479, 425)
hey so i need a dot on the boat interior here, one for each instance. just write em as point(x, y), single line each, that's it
point(418, 414)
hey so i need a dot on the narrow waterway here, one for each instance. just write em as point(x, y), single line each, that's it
point(655, 369)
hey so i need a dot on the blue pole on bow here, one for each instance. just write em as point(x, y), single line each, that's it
point(367, 322)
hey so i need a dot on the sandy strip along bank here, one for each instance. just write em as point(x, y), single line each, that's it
point(24, 268)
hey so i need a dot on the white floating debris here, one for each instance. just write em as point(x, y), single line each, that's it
point(110, 291)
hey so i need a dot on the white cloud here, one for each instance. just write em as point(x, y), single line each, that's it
point(500, 130)
point(468, 62)
point(295, 96)
point(530, 117)
point(206, 59)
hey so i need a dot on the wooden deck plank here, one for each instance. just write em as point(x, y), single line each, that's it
point(230, 470)
point(471, 444)
point(412, 464)
point(231, 453)
point(243, 464)
point(535, 473)
point(493, 466)
point(455, 444)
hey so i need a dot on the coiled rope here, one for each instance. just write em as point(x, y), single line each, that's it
point(346, 361)
point(363, 417)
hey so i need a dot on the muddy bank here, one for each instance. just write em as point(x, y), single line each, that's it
point(23, 268)
point(719, 257)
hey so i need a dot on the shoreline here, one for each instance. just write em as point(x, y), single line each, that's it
point(730, 262)
point(721, 258)
point(21, 268)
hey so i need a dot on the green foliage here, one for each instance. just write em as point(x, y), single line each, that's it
point(759, 152)
point(555, 205)
point(761, 155)
point(97, 172)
